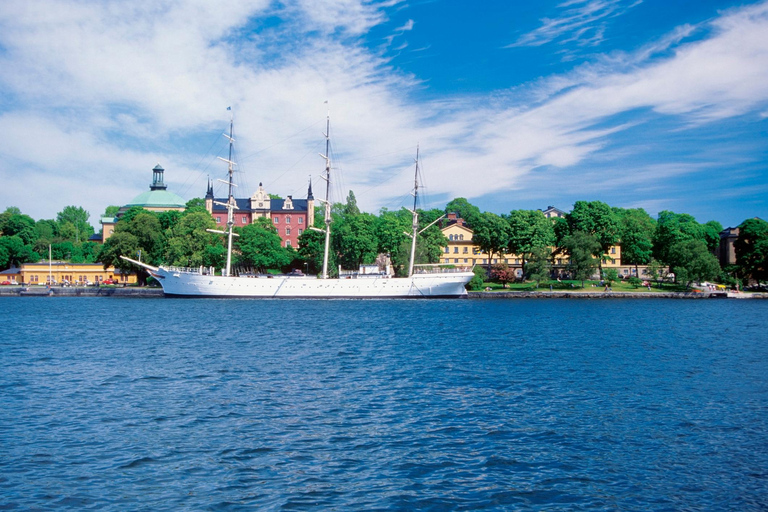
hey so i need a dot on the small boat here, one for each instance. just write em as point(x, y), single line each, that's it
point(429, 281)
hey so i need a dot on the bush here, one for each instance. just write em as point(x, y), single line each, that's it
point(635, 281)
point(476, 283)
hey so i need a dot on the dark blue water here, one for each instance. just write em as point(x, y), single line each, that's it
point(161, 404)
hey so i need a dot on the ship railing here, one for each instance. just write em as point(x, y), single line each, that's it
point(203, 271)
point(438, 268)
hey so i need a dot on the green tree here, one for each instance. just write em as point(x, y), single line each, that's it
point(581, 249)
point(18, 224)
point(636, 229)
point(260, 246)
point(354, 240)
point(111, 211)
point(311, 248)
point(671, 228)
point(752, 250)
point(491, 234)
point(538, 267)
point(390, 231)
point(691, 262)
point(529, 230)
point(478, 280)
point(122, 243)
point(17, 252)
point(196, 204)
point(597, 219)
point(188, 240)
point(73, 224)
point(465, 210)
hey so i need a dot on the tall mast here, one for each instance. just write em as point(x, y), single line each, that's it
point(415, 226)
point(231, 199)
point(327, 202)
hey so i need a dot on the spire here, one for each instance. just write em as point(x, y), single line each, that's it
point(309, 191)
point(157, 179)
point(209, 193)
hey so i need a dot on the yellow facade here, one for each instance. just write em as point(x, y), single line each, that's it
point(461, 251)
point(71, 273)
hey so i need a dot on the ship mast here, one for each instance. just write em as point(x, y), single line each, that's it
point(327, 201)
point(231, 204)
point(414, 213)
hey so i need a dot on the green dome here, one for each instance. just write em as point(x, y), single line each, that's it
point(158, 196)
point(158, 199)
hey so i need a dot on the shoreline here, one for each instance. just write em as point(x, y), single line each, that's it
point(147, 292)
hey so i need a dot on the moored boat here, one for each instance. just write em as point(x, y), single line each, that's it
point(423, 281)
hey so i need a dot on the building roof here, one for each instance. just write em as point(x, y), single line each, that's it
point(275, 205)
point(158, 199)
point(158, 196)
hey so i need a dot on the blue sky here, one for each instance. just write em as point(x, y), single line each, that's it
point(639, 103)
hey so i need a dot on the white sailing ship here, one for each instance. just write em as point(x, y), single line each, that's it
point(423, 281)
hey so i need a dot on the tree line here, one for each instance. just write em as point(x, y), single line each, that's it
point(672, 241)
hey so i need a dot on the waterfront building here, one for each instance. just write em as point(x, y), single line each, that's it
point(461, 250)
point(291, 217)
point(157, 199)
point(62, 272)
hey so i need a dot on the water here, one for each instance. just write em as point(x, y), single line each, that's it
point(161, 404)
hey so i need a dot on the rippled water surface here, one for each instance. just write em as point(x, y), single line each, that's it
point(161, 404)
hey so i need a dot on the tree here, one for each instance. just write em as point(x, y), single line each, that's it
point(146, 227)
point(111, 211)
point(529, 230)
point(390, 231)
point(503, 274)
point(581, 248)
point(260, 246)
point(691, 262)
point(122, 243)
point(188, 240)
point(491, 234)
point(311, 248)
point(539, 265)
point(73, 223)
point(597, 219)
point(196, 204)
point(636, 230)
point(354, 240)
point(465, 210)
point(671, 228)
point(752, 250)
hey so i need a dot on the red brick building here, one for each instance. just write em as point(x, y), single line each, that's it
point(290, 216)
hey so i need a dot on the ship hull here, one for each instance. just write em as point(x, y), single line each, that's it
point(178, 284)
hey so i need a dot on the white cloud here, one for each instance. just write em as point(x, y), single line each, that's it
point(582, 21)
point(106, 89)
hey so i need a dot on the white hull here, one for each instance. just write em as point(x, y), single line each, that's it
point(189, 284)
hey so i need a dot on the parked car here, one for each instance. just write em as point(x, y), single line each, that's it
point(109, 281)
point(5, 283)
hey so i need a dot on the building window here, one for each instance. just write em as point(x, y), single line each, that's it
point(287, 230)
point(287, 219)
point(218, 220)
point(276, 219)
point(301, 220)
point(613, 250)
point(456, 260)
point(287, 243)
point(300, 230)
point(245, 219)
point(461, 237)
point(465, 260)
point(455, 250)
point(447, 250)
point(466, 250)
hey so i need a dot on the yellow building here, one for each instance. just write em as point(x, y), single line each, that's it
point(461, 251)
point(59, 273)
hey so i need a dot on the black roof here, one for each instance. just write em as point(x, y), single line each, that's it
point(275, 205)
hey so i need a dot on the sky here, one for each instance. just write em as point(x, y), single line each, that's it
point(654, 104)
